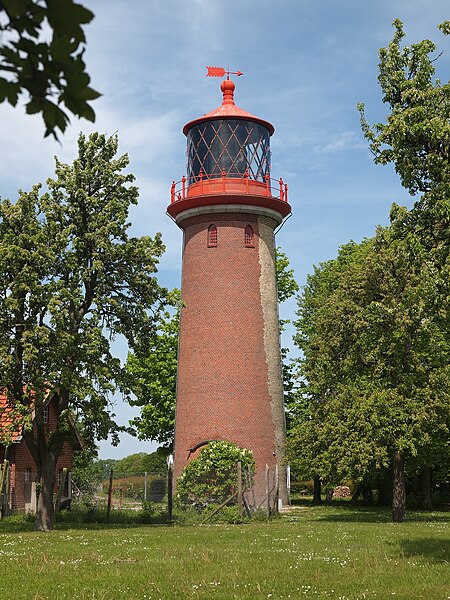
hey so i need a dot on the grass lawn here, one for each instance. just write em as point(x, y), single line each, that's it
point(326, 552)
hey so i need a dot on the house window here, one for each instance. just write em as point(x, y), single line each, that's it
point(28, 475)
point(212, 236)
point(248, 236)
point(45, 416)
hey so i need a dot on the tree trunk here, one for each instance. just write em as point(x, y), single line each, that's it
point(368, 495)
point(317, 494)
point(45, 513)
point(426, 488)
point(383, 499)
point(398, 489)
point(357, 493)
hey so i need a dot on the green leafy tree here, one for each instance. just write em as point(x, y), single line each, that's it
point(376, 363)
point(156, 462)
point(50, 72)
point(152, 377)
point(71, 278)
point(415, 138)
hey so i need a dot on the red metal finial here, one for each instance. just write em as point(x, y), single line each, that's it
point(226, 86)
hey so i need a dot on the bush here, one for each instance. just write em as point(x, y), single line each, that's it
point(211, 477)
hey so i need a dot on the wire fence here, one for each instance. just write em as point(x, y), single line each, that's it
point(125, 490)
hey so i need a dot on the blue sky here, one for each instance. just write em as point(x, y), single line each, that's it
point(306, 65)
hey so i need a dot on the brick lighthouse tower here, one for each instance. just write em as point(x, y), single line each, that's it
point(229, 366)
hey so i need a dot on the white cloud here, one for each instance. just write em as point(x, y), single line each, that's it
point(344, 141)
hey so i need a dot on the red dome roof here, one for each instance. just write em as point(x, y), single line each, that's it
point(228, 110)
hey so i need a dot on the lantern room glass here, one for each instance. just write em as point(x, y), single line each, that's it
point(228, 145)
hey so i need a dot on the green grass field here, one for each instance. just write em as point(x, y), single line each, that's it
point(327, 552)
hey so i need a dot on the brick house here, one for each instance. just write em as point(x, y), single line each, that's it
point(22, 486)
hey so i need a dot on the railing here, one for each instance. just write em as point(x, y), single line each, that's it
point(228, 183)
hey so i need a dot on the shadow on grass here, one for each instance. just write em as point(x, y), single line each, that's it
point(86, 519)
point(344, 511)
point(433, 549)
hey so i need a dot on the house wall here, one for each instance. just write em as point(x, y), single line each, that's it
point(23, 468)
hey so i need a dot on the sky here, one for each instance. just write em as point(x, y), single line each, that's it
point(306, 65)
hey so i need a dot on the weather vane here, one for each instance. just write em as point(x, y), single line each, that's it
point(220, 72)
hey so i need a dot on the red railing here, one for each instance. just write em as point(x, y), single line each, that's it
point(228, 183)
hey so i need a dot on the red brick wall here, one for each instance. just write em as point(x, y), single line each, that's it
point(20, 459)
point(223, 388)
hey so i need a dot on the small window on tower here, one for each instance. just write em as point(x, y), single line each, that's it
point(248, 236)
point(212, 236)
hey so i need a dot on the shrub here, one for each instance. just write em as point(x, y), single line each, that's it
point(211, 477)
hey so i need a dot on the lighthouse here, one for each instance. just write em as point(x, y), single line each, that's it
point(229, 384)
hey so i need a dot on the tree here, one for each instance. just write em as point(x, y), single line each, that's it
point(415, 138)
point(152, 378)
point(153, 372)
point(376, 362)
point(71, 278)
point(51, 72)
point(156, 462)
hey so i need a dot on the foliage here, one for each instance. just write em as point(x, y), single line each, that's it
point(286, 284)
point(373, 324)
point(86, 472)
point(416, 135)
point(71, 279)
point(156, 462)
point(376, 362)
point(52, 72)
point(212, 476)
point(152, 378)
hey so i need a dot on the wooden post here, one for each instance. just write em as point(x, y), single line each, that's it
point(62, 483)
point(6, 496)
point(267, 492)
point(2, 479)
point(214, 512)
point(239, 489)
point(277, 488)
point(169, 490)
point(3, 499)
point(145, 485)
point(109, 494)
point(120, 497)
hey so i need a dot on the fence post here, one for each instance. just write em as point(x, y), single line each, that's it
point(109, 494)
point(169, 487)
point(239, 488)
point(7, 484)
point(288, 482)
point(62, 483)
point(277, 487)
point(267, 492)
point(3, 485)
point(145, 485)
